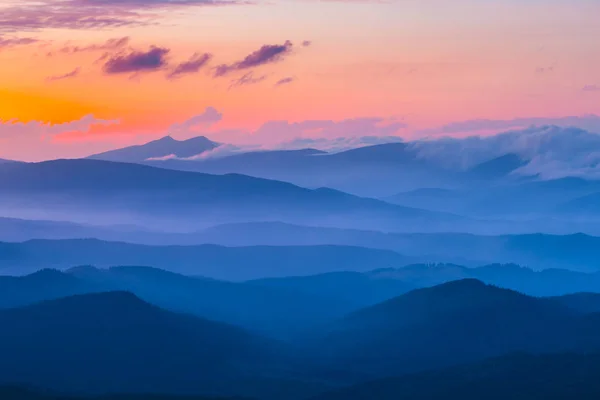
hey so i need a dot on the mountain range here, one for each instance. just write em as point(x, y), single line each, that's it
point(115, 342)
point(396, 165)
point(232, 263)
point(104, 192)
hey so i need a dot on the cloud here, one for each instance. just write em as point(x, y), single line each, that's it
point(137, 61)
point(67, 75)
point(552, 151)
point(35, 140)
point(64, 15)
point(195, 125)
point(15, 41)
point(285, 81)
point(591, 88)
point(338, 144)
point(90, 14)
point(283, 134)
point(246, 79)
point(193, 65)
point(109, 45)
point(306, 43)
point(267, 54)
point(490, 126)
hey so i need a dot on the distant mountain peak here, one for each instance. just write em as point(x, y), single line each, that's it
point(166, 146)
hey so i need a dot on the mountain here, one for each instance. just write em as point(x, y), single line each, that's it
point(576, 290)
point(516, 377)
point(353, 288)
point(114, 342)
point(165, 147)
point(537, 251)
point(550, 282)
point(17, 291)
point(538, 201)
point(584, 303)
point(287, 307)
point(453, 323)
point(277, 312)
point(101, 192)
point(497, 168)
point(229, 263)
point(585, 206)
point(373, 171)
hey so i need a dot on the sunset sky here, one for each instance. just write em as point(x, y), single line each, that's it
point(80, 76)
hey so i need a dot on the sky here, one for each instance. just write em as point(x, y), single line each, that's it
point(82, 76)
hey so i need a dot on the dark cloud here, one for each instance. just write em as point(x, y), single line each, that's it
point(267, 54)
point(68, 75)
point(247, 79)
point(137, 61)
point(109, 45)
point(591, 88)
point(285, 81)
point(193, 65)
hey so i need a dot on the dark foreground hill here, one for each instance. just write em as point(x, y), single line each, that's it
point(273, 311)
point(114, 342)
point(515, 377)
point(457, 322)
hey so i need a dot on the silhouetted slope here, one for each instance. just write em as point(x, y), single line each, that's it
point(110, 192)
point(584, 303)
point(230, 263)
point(114, 342)
point(498, 167)
point(515, 377)
point(588, 205)
point(273, 311)
point(357, 289)
point(164, 147)
point(448, 324)
point(16, 291)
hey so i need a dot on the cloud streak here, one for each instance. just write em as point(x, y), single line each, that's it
point(192, 66)
point(15, 41)
point(109, 45)
point(285, 81)
point(89, 14)
point(68, 75)
point(267, 54)
point(137, 61)
point(246, 79)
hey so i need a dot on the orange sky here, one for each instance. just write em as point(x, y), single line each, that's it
point(425, 62)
